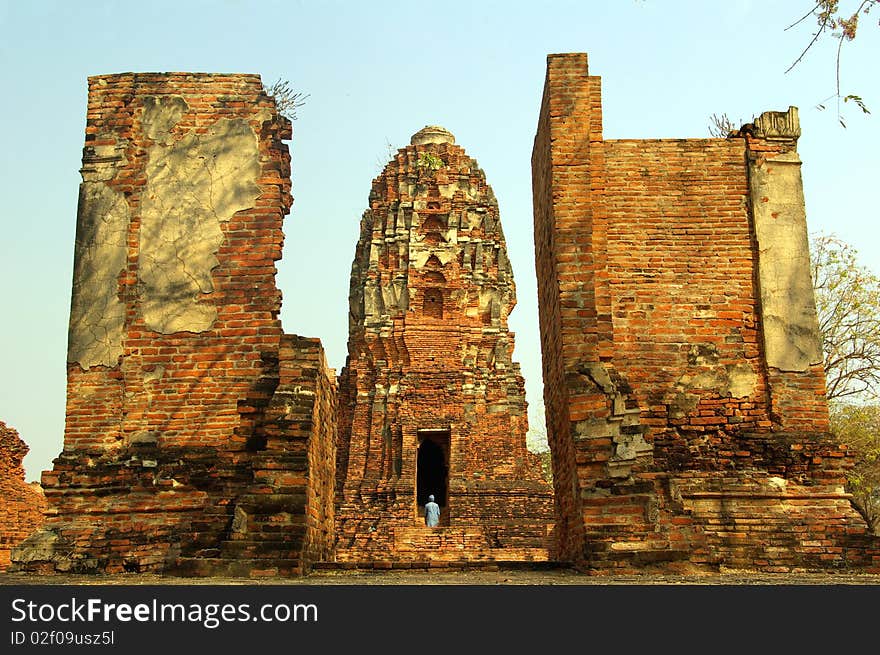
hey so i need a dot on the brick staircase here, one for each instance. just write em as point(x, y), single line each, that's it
point(417, 546)
point(268, 527)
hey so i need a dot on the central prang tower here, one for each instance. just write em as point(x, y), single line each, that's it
point(430, 399)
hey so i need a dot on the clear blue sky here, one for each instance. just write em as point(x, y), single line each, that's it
point(376, 73)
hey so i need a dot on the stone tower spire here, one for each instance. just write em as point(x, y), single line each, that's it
point(431, 401)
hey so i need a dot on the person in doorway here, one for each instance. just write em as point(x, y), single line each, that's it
point(432, 513)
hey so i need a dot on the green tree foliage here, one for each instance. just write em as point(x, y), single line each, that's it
point(848, 306)
point(858, 426)
point(428, 164)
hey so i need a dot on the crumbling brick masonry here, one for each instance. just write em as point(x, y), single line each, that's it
point(195, 429)
point(683, 374)
point(23, 504)
point(683, 380)
point(430, 400)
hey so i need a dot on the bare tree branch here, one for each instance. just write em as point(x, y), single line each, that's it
point(812, 42)
point(803, 18)
point(848, 309)
point(722, 126)
point(831, 20)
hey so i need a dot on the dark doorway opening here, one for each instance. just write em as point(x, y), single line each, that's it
point(432, 471)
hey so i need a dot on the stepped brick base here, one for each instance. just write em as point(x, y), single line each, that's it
point(449, 544)
point(439, 565)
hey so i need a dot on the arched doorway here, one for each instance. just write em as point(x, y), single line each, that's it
point(432, 471)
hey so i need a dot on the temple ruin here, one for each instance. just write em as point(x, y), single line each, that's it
point(683, 379)
point(199, 437)
point(21, 511)
point(430, 399)
point(683, 376)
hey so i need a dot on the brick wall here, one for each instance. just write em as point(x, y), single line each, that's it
point(681, 261)
point(282, 522)
point(175, 347)
point(568, 536)
point(306, 374)
point(683, 383)
point(21, 511)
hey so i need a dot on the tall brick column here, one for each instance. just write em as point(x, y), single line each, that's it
point(174, 344)
point(592, 423)
point(790, 329)
point(683, 376)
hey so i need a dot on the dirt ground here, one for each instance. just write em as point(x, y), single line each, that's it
point(420, 577)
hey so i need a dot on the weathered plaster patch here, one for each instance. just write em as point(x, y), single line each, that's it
point(474, 220)
point(735, 380)
point(160, 115)
point(791, 329)
point(702, 354)
point(396, 295)
point(491, 300)
point(447, 190)
point(712, 379)
point(741, 380)
point(682, 404)
point(432, 134)
point(627, 448)
point(96, 313)
point(193, 185)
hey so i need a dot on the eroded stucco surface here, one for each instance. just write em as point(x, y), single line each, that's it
point(791, 329)
point(161, 114)
point(194, 184)
point(96, 312)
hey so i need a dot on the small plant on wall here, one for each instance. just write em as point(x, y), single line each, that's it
point(287, 101)
point(428, 164)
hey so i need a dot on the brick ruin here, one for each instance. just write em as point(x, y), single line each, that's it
point(199, 437)
point(683, 376)
point(21, 511)
point(430, 399)
point(683, 380)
